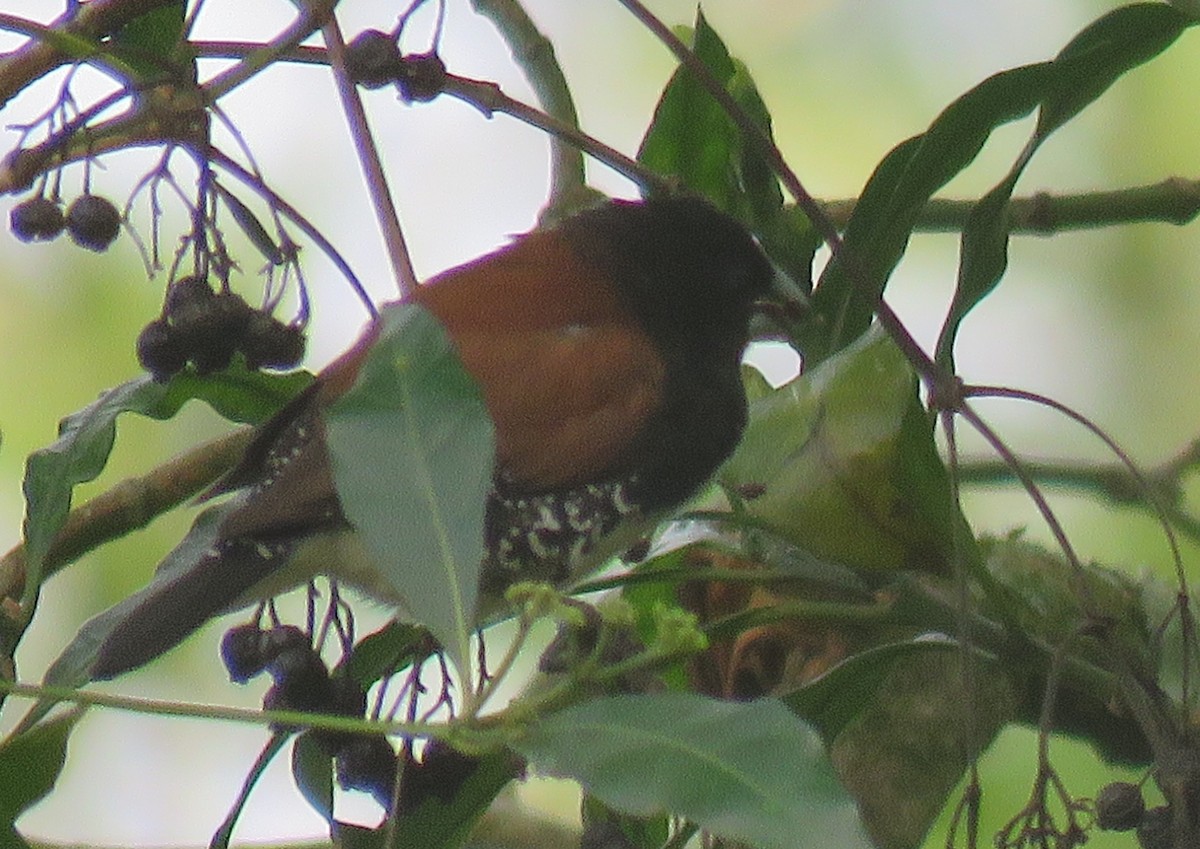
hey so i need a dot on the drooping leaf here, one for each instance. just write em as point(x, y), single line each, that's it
point(830, 454)
point(312, 771)
point(877, 234)
point(748, 771)
point(833, 700)
point(412, 450)
point(1082, 71)
point(30, 764)
point(904, 754)
point(73, 666)
point(86, 438)
point(251, 226)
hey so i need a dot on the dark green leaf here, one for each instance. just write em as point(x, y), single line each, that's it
point(312, 770)
point(837, 697)
point(440, 821)
point(149, 43)
point(693, 140)
point(391, 648)
point(30, 764)
point(830, 452)
point(251, 226)
point(877, 234)
point(632, 832)
point(744, 770)
point(72, 668)
point(85, 440)
point(1083, 71)
point(690, 136)
point(983, 260)
point(412, 451)
point(1101, 53)
point(443, 820)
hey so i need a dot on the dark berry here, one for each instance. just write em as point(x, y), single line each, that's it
point(93, 222)
point(281, 639)
point(1157, 828)
point(160, 351)
point(242, 652)
point(301, 683)
point(36, 220)
point(373, 59)
point(269, 343)
point(1120, 806)
point(302, 680)
point(211, 328)
point(368, 763)
point(185, 296)
point(423, 77)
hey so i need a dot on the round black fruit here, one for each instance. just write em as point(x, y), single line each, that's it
point(93, 222)
point(36, 220)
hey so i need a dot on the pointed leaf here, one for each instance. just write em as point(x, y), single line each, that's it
point(1100, 54)
point(747, 771)
point(30, 764)
point(690, 136)
point(85, 440)
point(878, 232)
point(846, 465)
point(73, 666)
point(312, 770)
point(1083, 71)
point(412, 450)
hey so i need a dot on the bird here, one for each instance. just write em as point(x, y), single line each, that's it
point(607, 349)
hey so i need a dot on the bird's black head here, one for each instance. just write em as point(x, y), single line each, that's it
point(689, 272)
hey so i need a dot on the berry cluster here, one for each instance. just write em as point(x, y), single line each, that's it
point(303, 683)
point(1120, 806)
point(91, 221)
point(206, 327)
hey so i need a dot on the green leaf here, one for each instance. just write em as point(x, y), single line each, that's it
point(832, 701)
point(1099, 55)
point(690, 136)
point(747, 771)
point(251, 226)
point(629, 832)
point(1081, 72)
point(391, 648)
point(148, 42)
point(85, 440)
point(877, 234)
point(831, 452)
point(412, 451)
point(312, 770)
point(446, 816)
point(30, 764)
point(73, 666)
point(691, 139)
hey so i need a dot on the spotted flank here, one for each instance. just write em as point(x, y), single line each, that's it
point(542, 537)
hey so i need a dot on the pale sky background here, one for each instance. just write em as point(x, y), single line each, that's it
point(1103, 321)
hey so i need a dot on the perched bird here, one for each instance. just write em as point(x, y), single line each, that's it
point(607, 350)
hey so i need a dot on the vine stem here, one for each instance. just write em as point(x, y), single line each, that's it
point(368, 157)
point(245, 716)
